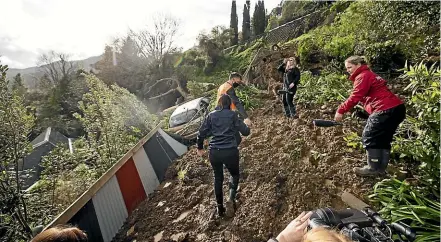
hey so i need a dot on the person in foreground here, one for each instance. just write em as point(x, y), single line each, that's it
point(295, 232)
point(222, 125)
point(386, 112)
point(61, 234)
point(228, 88)
point(291, 78)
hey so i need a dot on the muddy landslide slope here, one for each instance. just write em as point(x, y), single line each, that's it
point(287, 166)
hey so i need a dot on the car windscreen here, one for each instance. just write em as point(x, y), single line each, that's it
point(182, 118)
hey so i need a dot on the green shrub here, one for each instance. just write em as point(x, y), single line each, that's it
point(418, 137)
point(400, 201)
point(323, 89)
point(387, 33)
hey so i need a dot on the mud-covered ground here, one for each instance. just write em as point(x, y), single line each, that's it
point(287, 166)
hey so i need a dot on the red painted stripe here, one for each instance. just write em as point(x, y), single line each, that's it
point(131, 186)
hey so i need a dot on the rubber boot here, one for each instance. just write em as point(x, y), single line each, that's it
point(231, 208)
point(384, 160)
point(220, 210)
point(231, 203)
point(286, 111)
point(292, 111)
point(233, 193)
point(373, 168)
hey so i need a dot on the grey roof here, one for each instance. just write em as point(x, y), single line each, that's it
point(52, 136)
point(40, 138)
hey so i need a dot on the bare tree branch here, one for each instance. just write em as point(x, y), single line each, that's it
point(56, 67)
point(158, 40)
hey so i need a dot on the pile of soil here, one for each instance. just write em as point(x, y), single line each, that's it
point(287, 166)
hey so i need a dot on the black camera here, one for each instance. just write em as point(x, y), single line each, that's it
point(361, 225)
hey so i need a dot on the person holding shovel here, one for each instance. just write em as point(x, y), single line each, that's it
point(222, 125)
point(291, 79)
point(386, 112)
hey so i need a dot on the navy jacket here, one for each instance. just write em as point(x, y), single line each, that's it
point(222, 125)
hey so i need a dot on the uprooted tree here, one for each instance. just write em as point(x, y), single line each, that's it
point(164, 93)
point(142, 61)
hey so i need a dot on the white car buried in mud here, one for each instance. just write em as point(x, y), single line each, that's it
point(188, 117)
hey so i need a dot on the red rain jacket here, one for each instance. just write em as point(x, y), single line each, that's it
point(371, 90)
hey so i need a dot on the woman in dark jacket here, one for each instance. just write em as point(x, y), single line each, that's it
point(291, 78)
point(223, 124)
point(386, 112)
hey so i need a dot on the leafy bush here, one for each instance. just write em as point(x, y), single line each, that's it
point(104, 117)
point(387, 33)
point(64, 177)
point(247, 95)
point(340, 46)
point(16, 123)
point(323, 89)
point(295, 9)
point(418, 137)
point(353, 140)
point(400, 201)
point(198, 89)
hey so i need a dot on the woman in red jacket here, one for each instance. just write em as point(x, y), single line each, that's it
point(386, 112)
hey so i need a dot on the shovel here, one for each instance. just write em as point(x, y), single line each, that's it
point(284, 91)
point(325, 123)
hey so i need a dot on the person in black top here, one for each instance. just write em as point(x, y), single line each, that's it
point(222, 125)
point(291, 78)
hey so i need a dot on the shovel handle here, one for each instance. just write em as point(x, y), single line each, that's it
point(325, 123)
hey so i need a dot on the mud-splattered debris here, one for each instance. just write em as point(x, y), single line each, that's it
point(201, 237)
point(182, 216)
point(130, 231)
point(158, 236)
point(178, 237)
point(167, 184)
point(160, 204)
point(266, 202)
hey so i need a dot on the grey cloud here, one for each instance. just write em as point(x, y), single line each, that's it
point(17, 54)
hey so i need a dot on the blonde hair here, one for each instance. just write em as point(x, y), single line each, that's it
point(355, 60)
point(324, 235)
point(61, 234)
point(293, 62)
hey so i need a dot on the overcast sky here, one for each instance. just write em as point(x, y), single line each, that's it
point(83, 27)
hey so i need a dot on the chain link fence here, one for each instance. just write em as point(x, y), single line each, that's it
point(287, 31)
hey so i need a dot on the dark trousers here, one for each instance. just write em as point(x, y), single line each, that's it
point(288, 104)
point(381, 127)
point(229, 158)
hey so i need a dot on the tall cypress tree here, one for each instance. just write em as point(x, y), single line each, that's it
point(264, 19)
point(246, 27)
point(255, 21)
point(233, 25)
point(259, 18)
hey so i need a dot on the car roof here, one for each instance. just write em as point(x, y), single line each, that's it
point(190, 105)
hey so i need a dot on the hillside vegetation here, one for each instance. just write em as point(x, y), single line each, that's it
point(286, 167)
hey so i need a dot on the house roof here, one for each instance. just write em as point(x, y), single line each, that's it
point(49, 136)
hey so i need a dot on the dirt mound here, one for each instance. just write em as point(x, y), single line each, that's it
point(287, 166)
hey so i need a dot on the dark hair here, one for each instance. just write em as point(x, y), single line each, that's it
point(224, 101)
point(355, 60)
point(235, 74)
point(61, 234)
